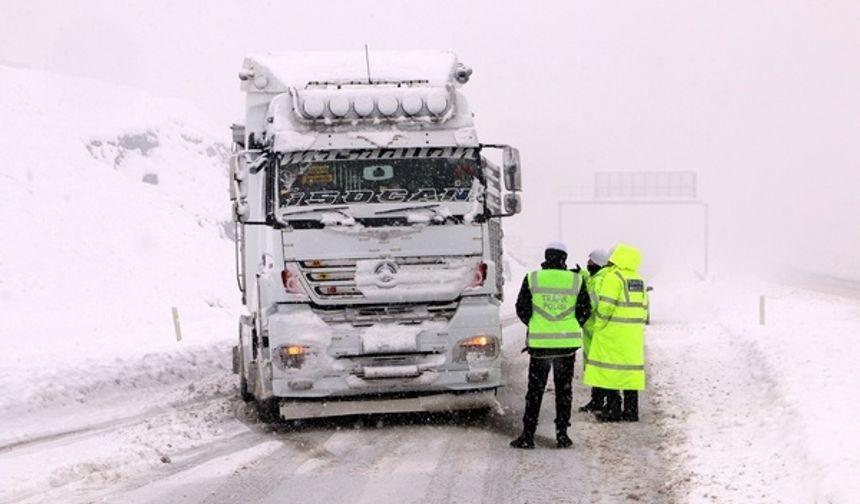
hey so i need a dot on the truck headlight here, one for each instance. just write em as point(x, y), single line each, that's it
point(290, 278)
point(481, 346)
point(479, 275)
point(293, 356)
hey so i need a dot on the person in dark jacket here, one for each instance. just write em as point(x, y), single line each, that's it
point(547, 299)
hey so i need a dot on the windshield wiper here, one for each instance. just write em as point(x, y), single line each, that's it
point(335, 209)
point(432, 207)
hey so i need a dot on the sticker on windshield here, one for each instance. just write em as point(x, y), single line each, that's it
point(378, 172)
point(318, 174)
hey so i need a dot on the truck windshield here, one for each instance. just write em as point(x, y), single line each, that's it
point(377, 176)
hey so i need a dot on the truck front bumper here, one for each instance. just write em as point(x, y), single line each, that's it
point(292, 409)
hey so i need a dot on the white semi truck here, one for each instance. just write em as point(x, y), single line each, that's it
point(368, 236)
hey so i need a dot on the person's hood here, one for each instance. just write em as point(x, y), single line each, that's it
point(626, 257)
point(555, 259)
point(554, 264)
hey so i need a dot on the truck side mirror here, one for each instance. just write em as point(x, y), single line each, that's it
point(234, 186)
point(513, 204)
point(238, 175)
point(238, 131)
point(511, 167)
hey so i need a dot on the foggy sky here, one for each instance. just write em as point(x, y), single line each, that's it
point(761, 98)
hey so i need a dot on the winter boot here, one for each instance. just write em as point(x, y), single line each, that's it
point(525, 441)
point(605, 416)
point(562, 440)
point(597, 402)
point(591, 407)
point(612, 411)
point(630, 412)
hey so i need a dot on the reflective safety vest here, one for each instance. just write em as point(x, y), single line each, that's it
point(553, 322)
point(588, 329)
point(616, 354)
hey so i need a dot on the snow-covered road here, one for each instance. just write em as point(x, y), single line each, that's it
point(735, 412)
point(193, 440)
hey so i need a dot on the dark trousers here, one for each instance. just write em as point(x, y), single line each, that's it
point(613, 409)
point(562, 373)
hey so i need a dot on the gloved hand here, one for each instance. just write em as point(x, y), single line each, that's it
point(576, 269)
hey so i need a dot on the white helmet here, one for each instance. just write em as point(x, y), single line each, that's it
point(599, 257)
point(556, 245)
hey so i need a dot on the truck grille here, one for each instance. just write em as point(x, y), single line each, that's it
point(335, 279)
point(363, 316)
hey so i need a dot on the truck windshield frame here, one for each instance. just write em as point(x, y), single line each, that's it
point(378, 176)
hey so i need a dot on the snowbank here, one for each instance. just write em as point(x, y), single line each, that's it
point(760, 413)
point(114, 208)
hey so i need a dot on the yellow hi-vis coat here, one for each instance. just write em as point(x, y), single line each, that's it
point(553, 322)
point(616, 357)
point(588, 329)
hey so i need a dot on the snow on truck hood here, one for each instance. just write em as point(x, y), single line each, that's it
point(345, 242)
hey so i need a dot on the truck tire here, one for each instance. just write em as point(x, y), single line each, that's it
point(244, 393)
point(268, 410)
point(243, 390)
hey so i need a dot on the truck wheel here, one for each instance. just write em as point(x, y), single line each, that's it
point(243, 390)
point(268, 410)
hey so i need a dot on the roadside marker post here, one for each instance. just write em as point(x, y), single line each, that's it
point(176, 327)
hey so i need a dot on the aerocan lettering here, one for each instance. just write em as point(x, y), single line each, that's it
point(322, 198)
point(293, 198)
point(424, 194)
point(456, 194)
point(361, 196)
point(393, 195)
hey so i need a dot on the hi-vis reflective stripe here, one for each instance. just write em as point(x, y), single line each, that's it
point(624, 283)
point(625, 304)
point(620, 320)
point(558, 335)
point(617, 367)
point(554, 318)
point(536, 289)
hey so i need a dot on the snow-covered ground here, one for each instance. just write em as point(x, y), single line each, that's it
point(114, 207)
point(762, 413)
point(100, 403)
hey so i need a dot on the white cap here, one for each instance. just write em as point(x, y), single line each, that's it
point(599, 257)
point(557, 245)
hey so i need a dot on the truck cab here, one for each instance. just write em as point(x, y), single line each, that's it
point(368, 236)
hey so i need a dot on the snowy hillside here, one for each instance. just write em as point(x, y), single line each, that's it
point(114, 206)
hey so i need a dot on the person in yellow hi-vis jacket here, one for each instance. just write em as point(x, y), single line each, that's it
point(616, 357)
point(592, 275)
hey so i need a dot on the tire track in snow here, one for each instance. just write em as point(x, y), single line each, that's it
point(102, 428)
